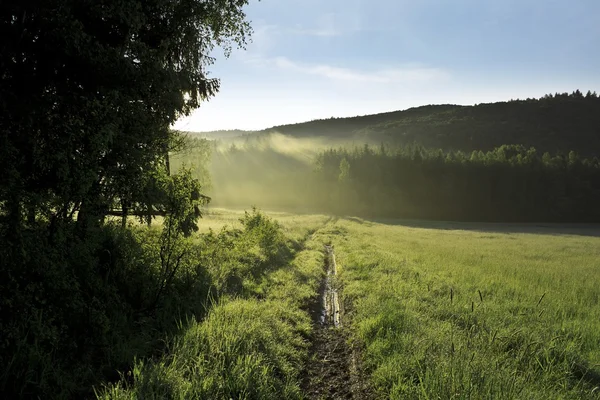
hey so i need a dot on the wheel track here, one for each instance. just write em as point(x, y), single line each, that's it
point(334, 369)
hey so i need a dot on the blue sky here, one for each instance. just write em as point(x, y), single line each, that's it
point(321, 58)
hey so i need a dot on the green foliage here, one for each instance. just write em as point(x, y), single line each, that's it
point(241, 257)
point(93, 306)
point(509, 183)
point(297, 284)
point(89, 91)
point(120, 294)
point(57, 319)
point(344, 171)
point(90, 94)
point(245, 349)
point(183, 203)
point(266, 233)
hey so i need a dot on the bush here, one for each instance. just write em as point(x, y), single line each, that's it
point(238, 259)
point(75, 311)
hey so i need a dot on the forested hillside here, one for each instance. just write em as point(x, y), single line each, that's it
point(553, 123)
point(510, 183)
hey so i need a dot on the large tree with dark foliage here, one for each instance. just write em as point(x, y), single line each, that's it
point(88, 92)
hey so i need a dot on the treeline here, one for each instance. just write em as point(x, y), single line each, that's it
point(509, 184)
point(550, 123)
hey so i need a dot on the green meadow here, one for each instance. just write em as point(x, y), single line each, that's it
point(252, 341)
point(145, 258)
point(434, 310)
point(483, 311)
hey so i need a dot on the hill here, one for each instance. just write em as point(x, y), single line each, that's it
point(559, 122)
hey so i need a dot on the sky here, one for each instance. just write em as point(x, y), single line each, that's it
point(312, 59)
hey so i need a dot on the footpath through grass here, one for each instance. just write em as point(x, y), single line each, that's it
point(440, 311)
point(453, 312)
point(253, 343)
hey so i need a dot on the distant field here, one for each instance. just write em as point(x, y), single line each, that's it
point(294, 225)
point(473, 310)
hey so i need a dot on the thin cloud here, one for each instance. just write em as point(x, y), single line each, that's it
point(327, 25)
point(321, 32)
point(402, 74)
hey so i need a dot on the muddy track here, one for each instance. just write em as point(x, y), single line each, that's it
point(330, 313)
point(333, 370)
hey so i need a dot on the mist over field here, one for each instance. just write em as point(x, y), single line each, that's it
point(271, 170)
point(350, 175)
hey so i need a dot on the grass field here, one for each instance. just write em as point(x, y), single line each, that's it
point(253, 342)
point(459, 311)
point(294, 225)
point(463, 310)
point(438, 311)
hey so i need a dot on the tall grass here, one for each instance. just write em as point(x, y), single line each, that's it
point(245, 349)
point(461, 314)
point(253, 343)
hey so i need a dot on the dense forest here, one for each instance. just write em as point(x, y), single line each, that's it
point(510, 183)
point(552, 123)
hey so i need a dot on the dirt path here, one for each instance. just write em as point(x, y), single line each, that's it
point(333, 371)
point(330, 313)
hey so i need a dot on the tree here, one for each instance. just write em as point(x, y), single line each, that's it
point(89, 91)
point(344, 176)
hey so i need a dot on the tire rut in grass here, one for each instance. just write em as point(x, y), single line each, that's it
point(333, 370)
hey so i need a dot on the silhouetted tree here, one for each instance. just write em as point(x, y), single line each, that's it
point(89, 91)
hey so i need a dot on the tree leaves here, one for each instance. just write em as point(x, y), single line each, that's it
point(90, 89)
